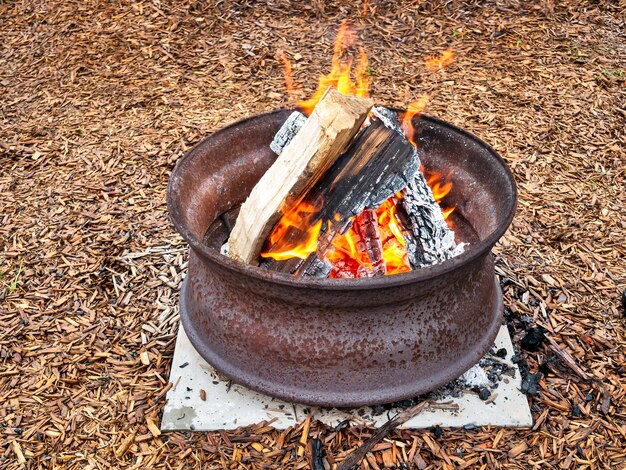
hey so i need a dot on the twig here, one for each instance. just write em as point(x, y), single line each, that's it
point(571, 363)
point(499, 360)
point(444, 405)
point(567, 358)
point(401, 418)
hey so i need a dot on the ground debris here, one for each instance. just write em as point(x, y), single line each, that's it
point(533, 339)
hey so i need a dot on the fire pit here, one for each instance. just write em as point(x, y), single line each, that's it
point(339, 342)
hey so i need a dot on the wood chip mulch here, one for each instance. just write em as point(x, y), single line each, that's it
point(99, 100)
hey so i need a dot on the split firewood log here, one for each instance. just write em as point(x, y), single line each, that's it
point(325, 135)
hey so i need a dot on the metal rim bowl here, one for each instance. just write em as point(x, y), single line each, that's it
point(340, 342)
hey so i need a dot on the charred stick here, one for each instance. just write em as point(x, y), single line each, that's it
point(317, 455)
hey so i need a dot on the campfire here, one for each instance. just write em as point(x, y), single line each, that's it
point(347, 196)
point(382, 305)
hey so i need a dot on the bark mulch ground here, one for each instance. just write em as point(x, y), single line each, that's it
point(99, 100)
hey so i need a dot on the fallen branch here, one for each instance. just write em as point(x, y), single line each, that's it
point(355, 457)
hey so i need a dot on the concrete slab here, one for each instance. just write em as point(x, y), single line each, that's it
point(229, 407)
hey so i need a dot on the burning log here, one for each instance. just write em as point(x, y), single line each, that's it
point(367, 227)
point(430, 239)
point(380, 163)
point(321, 140)
point(433, 238)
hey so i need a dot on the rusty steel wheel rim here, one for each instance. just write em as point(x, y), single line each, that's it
point(339, 342)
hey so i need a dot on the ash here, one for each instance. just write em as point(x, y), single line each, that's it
point(486, 375)
point(483, 380)
point(475, 377)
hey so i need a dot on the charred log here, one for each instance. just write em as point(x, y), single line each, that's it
point(288, 131)
point(380, 163)
point(431, 240)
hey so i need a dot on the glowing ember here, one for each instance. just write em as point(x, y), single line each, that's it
point(350, 253)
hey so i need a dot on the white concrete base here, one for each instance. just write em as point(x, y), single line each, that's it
point(230, 407)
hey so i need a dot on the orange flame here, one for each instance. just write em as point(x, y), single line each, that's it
point(440, 187)
point(416, 108)
point(350, 259)
point(339, 76)
point(434, 64)
point(288, 74)
point(434, 179)
point(297, 218)
point(296, 234)
point(394, 245)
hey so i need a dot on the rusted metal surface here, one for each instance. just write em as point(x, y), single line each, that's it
point(339, 342)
